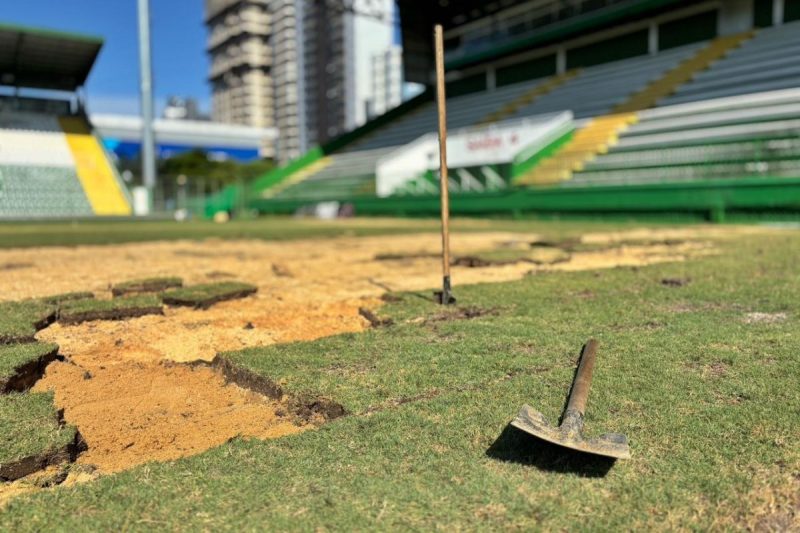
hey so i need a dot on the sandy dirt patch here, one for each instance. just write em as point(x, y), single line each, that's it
point(132, 412)
point(132, 404)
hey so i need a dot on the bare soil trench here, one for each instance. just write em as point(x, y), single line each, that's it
point(122, 383)
point(132, 412)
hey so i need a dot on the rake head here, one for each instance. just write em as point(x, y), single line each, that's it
point(570, 434)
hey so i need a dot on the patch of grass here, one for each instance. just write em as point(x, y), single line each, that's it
point(426, 444)
point(266, 228)
point(146, 285)
point(19, 321)
point(203, 296)
point(22, 364)
point(57, 299)
point(31, 434)
point(76, 311)
point(538, 256)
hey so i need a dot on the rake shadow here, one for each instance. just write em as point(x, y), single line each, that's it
point(516, 446)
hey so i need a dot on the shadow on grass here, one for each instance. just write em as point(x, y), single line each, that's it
point(516, 446)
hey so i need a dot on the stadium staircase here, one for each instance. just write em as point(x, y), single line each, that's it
point(98, 177)
point(600, 133)
point(298, 177)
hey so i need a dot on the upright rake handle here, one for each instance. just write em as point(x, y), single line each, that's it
point(583, 379)
point(443, 178)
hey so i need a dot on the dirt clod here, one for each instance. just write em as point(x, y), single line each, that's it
point(471, 261)
point(675, 282)
point(374, 320)
point(460, 313)
point(15, 266)
point(219, 274)
point(281, 271)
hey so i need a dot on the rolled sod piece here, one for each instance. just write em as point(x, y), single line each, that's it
point(19, 321)
point(33, 435)
point(146, 285)
point(77, 311)
point(22, 365)
point(204, 296)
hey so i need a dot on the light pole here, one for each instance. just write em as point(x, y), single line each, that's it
point(146, 87)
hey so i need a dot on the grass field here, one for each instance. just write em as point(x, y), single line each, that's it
point(698, 366)
point(26, 234)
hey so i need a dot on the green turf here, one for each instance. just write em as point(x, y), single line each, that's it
point(19, 321)
point(146, 285)
point(57, 299)
point(268, 228)
point(207, 294)
point(707, 393)
point(29, 426)
point(81, 310)
point(15, 356)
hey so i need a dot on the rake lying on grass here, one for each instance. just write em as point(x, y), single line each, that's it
point(570, 433)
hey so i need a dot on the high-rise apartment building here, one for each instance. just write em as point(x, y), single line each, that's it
point(387, 81)
point(303, 66)
point(285, 72)
point(254, 67)
point(241, 61)
point(339, 42)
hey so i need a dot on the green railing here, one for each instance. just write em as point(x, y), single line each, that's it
point(706, 200)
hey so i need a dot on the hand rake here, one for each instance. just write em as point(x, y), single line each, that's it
point(570, 433)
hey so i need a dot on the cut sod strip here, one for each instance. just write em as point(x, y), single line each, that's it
point(204, 296)
point(19, 321)
point(77, 311)
point(21, 365)
point(33, 437)
point(146, 285)
point(58, 299)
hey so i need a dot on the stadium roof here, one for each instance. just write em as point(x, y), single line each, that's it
point(43, 59)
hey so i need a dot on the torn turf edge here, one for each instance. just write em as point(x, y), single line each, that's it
point(208, 302)
point(27, 375)
point(305, 407)
point(33, 463)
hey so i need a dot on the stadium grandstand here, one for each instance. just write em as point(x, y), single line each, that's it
point(590, 106)
point(52, 163)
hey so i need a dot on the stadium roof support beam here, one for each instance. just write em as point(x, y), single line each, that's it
point(146, 75)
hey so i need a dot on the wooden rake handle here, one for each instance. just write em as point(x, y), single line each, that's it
point(583, 378)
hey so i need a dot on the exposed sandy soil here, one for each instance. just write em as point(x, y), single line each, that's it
point(131, 412)
point(133, 405)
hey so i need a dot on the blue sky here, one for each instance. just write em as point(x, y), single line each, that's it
point(180, 65)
